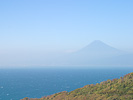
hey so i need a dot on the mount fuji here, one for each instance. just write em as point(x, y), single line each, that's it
point(98, 53)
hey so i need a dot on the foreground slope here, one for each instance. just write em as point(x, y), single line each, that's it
point(116, 89)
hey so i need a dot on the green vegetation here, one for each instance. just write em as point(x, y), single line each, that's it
point(116, 89)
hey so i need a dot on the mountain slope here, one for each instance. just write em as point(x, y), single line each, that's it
point(116, 89)
point(98, 46)
point(96, 53)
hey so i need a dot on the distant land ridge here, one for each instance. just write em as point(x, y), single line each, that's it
point(98, 53)
point(116, 89)
point(99, 46)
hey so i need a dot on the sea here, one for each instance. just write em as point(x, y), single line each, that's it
point(16, 84)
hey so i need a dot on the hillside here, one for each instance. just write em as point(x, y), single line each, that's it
point(116, 89)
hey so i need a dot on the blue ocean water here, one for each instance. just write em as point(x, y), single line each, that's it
point(16, 84)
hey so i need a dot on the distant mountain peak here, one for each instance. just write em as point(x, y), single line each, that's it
point(98, 47)
point(97, 42)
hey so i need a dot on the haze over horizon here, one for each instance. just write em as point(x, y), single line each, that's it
point(37, 30)
point(97, 53)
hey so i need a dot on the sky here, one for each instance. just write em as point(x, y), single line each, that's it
point(47, 26)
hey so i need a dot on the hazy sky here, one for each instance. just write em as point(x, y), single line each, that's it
point(64, 25)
